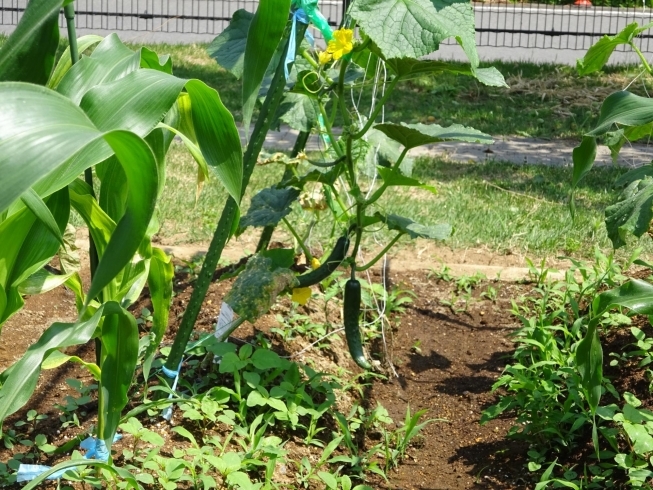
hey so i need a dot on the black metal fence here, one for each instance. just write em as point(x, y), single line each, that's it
point(533, 25)
point(176, 16)
point(527, 25)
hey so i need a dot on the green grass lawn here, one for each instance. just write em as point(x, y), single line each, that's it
point(544, 100)
point(520, 209)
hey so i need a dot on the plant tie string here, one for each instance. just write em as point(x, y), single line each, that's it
point(96, 449)
point(298, 16)
point(170, 374)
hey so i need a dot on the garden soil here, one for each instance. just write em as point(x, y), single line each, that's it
point(446, 361)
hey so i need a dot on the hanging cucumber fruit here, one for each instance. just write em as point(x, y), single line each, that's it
point(328, 267)
point(351, 314)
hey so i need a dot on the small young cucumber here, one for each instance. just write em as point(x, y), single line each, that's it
point(328, 267)
point(351, 313)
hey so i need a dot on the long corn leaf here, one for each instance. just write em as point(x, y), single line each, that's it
point(263, 36)
point(160, 281)
point(28, 55)
point(120, 343)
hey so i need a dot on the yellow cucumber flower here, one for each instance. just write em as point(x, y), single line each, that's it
point(315, 263)
point(301, 295)
point(324, 57)
point(342, 43)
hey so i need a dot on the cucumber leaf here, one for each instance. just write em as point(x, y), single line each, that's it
point(632, 214)
point(408, 67)
point(228, 49)
point(415, 28)
point(395, 177)
point(298, 111)
point(414, 135)
point(415, 230)
point(269, 206)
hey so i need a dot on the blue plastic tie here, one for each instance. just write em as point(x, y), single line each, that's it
point(298, 15)
point(169, 372)
point(95, 449)
point(167, 412)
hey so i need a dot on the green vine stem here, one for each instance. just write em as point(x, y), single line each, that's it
point(381, 253)
point(340, 91)
point(647, 67)
point(379, 192)
point(302, 245)
point(230, 211)
point(329, 131)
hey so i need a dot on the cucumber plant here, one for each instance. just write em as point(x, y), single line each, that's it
point(113, 115)
point(313, 89)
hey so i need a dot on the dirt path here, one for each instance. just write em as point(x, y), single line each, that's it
point(420, 255)
point(450, 374)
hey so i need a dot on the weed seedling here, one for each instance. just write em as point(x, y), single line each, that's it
point(444, 274)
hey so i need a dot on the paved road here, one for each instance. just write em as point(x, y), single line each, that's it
point(505, 149)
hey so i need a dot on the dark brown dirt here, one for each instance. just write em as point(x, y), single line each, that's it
point(460, 356)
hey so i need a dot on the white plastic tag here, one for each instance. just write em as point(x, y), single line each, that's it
point(225, 319)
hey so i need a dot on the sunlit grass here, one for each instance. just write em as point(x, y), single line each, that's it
point(544, 100)
point(520, 209)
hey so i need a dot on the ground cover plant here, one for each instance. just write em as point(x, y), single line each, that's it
point(112, 115)
point(585, 428)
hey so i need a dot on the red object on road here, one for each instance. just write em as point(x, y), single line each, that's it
point(583, 3)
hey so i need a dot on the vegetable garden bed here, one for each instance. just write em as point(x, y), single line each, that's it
point(449, 345)
point(446, 364)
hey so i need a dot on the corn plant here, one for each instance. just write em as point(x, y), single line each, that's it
point(116, 112)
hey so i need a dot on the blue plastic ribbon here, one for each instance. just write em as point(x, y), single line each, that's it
point(298, 16)
point(95, 449)
point(167, 412)
point(169, 372)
